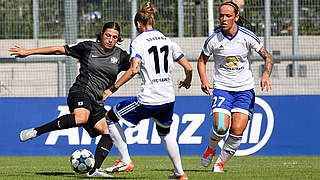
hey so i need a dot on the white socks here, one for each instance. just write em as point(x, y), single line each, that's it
point(119, 141)
point(172, 149)
point(229, 148)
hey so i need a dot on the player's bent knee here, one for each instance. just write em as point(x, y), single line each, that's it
point(81, 120)
point(102, 127)
point(221, 128)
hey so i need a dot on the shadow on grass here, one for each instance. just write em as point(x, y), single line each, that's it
point(186, 170)
point(54, 173)
point(79, 176)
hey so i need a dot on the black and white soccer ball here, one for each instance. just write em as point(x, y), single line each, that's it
point(82, 161)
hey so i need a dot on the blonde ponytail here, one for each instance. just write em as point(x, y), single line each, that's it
point(145, 14)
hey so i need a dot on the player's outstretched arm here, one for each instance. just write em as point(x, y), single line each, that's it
point(202, 64)
point(265, 80)
point(21, 52)
point(188, 72)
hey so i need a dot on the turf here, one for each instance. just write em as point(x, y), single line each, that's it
point(158, 167)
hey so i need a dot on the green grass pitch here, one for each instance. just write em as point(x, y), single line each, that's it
point(158, 167)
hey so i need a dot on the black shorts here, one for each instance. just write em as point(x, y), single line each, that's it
point(97, 112)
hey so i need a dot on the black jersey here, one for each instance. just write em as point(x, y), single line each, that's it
point(98, 69)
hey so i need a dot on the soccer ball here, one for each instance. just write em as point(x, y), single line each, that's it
point(82, 161)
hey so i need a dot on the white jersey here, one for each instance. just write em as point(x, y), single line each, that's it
point(157, 53)
point(232, 67)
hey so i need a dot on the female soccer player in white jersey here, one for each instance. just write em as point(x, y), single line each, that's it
point(152, 55)
point(233, 94)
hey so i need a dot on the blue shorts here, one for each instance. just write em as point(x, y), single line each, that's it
point(133, 112)
point(233, 101)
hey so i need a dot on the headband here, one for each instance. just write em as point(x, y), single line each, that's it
point(234, 5)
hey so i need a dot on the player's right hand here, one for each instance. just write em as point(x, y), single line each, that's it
point(19, 51)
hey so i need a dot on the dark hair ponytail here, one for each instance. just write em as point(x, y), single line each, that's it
point(244, 23)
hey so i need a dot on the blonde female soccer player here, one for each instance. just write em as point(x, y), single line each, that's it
point(152, 55)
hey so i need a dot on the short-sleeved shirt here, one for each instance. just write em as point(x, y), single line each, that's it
point(157, 53)
point(232, 67)
point(98, 69)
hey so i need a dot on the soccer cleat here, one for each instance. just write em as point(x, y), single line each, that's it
point(27, 134)
point(207, 157)
point(218, 168)
point(98, 173)
point(174, 176)
point(120, 167)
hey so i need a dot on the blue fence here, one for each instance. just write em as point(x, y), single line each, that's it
point(281, 126)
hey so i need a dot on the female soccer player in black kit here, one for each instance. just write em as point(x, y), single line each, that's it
point(100, 63)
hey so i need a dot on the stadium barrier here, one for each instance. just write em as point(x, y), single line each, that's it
point(280, 126)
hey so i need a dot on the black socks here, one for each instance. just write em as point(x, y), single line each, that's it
point(103, 148)
point(63, 122)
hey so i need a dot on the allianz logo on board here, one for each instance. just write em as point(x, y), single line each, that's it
point(139, 134)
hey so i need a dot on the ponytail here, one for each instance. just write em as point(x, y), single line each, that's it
point(145, 14)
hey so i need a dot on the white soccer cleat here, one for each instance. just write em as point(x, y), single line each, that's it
point(27, 134)
point(99, 173)
point(207, 157)
point(218, 168)
point(120, 167)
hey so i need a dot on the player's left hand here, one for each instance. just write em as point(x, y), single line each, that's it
point(265, 82)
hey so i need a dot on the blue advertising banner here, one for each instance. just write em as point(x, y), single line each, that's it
point(280, 126)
